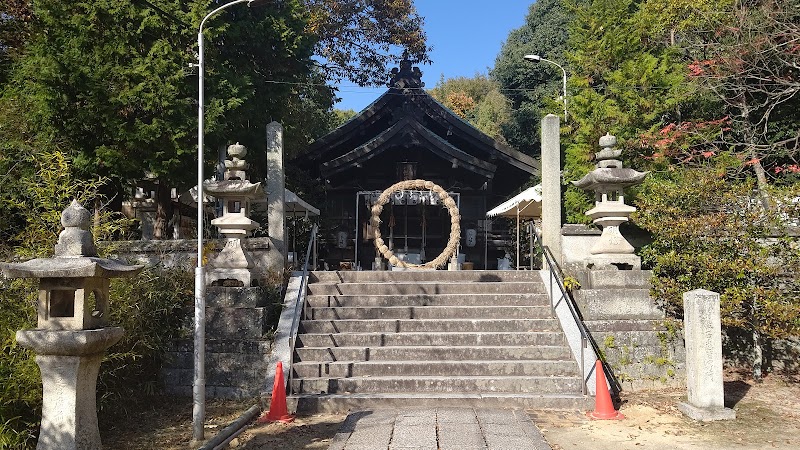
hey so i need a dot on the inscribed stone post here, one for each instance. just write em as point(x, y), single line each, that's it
point(703, 334)
point(551, 184)
point(276, 186)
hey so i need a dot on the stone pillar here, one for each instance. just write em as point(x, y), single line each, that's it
point(551, 184)
point(69, 413)
point(276, 187)
point(703, 334)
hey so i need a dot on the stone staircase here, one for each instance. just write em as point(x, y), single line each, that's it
point(432, 338)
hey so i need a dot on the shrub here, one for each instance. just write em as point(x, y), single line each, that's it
point(21, 389)
point(709, 231)
point(151, 307)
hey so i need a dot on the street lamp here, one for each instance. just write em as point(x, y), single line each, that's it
point(199, 388)
point(536, 59)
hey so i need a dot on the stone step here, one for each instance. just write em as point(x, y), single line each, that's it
point(428, 325)
point(431, 353)
point(483, 276)
point(496, 368)
point(431, 312)
point(423, 339)
point(428, 300)
point(425, 287)
point(418, 384)
point(342, 403)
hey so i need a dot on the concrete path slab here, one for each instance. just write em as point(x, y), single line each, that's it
point(438, 429)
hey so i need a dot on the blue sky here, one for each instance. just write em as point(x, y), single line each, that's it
point(466, 36)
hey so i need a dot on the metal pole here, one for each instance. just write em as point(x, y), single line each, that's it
point(536, 59)
point(199, 386)
point(355, 245)
point(530, 241)
point(486, 245)
point(517, 237)
point(564, 72)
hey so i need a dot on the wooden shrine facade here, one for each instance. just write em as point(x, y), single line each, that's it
point(407, 134)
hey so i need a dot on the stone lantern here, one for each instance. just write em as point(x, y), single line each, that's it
point(72, 332)
point(607, 181)
point(235, 192)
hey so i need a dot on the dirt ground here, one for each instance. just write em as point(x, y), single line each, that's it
point(767, 416)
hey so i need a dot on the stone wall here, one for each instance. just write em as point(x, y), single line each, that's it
point(644, 349)
point(182, 253)
point(782, 355)
point(238, 345)
point(238, 320)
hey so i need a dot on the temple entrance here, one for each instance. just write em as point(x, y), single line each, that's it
point(414, 225)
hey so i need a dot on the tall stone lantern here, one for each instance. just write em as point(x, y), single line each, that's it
point(608, 181)
point(73, 331)
point(236, 193)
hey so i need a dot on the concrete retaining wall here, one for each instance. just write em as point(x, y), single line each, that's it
point(182, 253)
point(644, 349)
point(238, 346)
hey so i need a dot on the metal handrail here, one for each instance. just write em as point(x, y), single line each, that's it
point(586, 336)
point(300, 303)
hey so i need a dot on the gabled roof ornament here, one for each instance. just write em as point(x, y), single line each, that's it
point(406, 77)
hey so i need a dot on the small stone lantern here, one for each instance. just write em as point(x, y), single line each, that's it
point(72, 332)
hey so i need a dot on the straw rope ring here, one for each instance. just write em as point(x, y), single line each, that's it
point(455, 224)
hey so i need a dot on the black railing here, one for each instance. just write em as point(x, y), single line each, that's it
point(300, 305)
point(586, 336)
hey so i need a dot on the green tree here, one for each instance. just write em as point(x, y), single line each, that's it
point(15, 30)
point(340, 117)
point(477, 100)
point(534, 89)
point(710, 232)
point(358, 39)
point(110, 81)
point(625, 81)
point(750, 64)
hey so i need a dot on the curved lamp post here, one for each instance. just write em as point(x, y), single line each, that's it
point(536, 59)
point(199, 389)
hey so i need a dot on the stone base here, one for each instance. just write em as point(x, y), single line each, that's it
point(243, 276)
point(69, 362)
point(707, 414)
point(606, 261)
point(237, 352)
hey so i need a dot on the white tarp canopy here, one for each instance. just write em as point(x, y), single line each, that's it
point(296, 206)
point(525, 205)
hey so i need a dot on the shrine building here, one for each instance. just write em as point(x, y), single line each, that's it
point(406, 134)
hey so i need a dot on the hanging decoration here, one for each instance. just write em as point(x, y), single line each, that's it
point(443, 197)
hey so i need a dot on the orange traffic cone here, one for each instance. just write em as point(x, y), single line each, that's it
point(603, 408)
point(278, 412)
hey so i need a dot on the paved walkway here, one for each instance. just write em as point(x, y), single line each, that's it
point(438, 429)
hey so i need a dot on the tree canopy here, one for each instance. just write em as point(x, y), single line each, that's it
point(533, 89)
point(704, 95)
point(477, 100)
point(113, 84)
